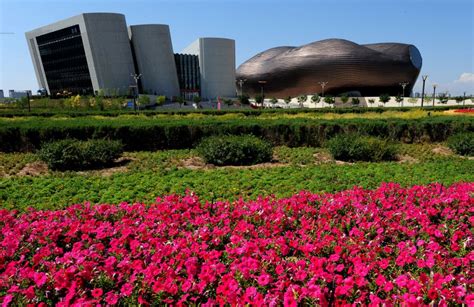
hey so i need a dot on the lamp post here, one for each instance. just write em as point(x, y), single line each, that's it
point(323, 85)
point(135, 77)
point(403, 85)
point(464, 99)
point(424, 77)
point(434, 93)
point(262, 84)
point(241, 84)
point(28, 100)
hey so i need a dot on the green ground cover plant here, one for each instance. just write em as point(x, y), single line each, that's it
point(151, 174)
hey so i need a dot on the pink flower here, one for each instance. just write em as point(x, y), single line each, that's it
point(264, 280)
point(40, 278)
point(127, 289)
point(111, 298)
point(97, 292)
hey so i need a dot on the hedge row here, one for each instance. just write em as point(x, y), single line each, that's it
point(138, 134)
point(245, 111)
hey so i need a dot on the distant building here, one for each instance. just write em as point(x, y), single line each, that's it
point(18, 94)
point(95, 52)
point(1, 94)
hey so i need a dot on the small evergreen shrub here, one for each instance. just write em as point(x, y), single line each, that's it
point(235, 150)
point(353, 147)
point(462, 143)
point(70, 154)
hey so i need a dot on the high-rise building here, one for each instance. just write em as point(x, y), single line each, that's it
point(96, 52)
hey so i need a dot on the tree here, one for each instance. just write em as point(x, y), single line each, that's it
point(443, 98)
point(180, 100)
point(384, 98)
point(412, 100)
point(244, 99)
point(259, 99)
point(355, 101)
point(459, 99)
point(315, 98)
point(302, 99)
point(288, 100)
point(228, 101)
point(398, 98)
point(344, 98)
point(329, 99)
point(160, 100)
point(197, 100)
point(274, 101)
point(371, 101)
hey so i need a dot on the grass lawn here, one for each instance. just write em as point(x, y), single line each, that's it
point(142, 176)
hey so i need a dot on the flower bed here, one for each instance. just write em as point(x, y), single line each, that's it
point(470, 110)
point(387, 245)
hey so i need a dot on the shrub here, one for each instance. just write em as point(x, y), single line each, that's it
point(288, 99)
point(355, 101)
point(274, 100)
point(353, 147)
point(462, 143)
point(235, 150)
point(160, 100)
point(70, 154)
point(143, 100)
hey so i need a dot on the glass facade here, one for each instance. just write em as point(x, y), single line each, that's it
point(64, 61)
point(189, 77)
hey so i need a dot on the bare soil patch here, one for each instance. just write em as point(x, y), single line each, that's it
point(196, 163)
point(36, 168)
point(442, 150)
point(406, 159)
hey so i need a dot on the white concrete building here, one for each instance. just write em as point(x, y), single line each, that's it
point(217, 66)
point(154, 57)
point(83, 54)
point(94, 52)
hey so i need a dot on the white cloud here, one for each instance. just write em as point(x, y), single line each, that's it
point(466, 77)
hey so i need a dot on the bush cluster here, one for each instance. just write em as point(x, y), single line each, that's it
point(462, 144)
point(353, 147)
point(235, 150)
point(70, 154)
point(139, 134)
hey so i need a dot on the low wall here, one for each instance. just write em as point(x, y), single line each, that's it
point(366, 102)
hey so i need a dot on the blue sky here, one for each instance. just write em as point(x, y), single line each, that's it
point(443, 30)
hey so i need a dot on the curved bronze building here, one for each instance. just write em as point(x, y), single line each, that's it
point(346, 67)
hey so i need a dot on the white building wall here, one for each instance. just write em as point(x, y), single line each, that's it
point(217, 65)
point(106, 45)
point(155, 59)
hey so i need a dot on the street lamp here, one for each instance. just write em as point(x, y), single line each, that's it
point(424, 77)
point(262, 84)
point(323, 85)
point(135, 77)
point(434, 93)
point(241, 84)
point(403, 85)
